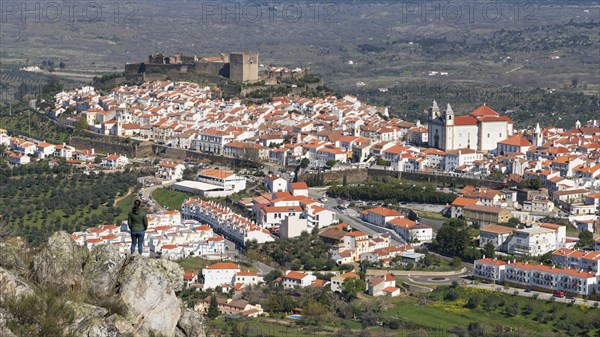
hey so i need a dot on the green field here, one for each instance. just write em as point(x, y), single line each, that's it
point(170, 199)
point(125, 205)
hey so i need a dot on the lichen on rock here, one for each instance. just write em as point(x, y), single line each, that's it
point(60, 262)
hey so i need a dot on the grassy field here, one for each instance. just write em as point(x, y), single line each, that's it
point(169, 198)
point(430, 215)
point(124, 205)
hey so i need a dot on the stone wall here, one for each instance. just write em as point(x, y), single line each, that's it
point(181, 154)
point(352, 176)
point(440, 179)
point(100, 146)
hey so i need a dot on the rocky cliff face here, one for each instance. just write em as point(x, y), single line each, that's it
point(139, 293)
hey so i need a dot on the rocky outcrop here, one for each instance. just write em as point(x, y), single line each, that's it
point(60, 263)
point(133, 297)
point(147, 287)
point(192, 323)
point(113, 326)
point(12, 287)
point(101, 271)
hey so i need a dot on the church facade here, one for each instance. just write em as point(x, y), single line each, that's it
point(480, 130)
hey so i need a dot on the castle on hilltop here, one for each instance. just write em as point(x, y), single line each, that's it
point(240, 66)
point(480, 130)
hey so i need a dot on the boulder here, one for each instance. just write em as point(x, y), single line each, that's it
point(11, 286)
point(113, 326)
point(84, 312)
point(60, 262)
point(147, 287)
point(192, 323)
point(101, 270)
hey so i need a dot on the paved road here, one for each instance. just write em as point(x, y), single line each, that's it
point(145, 193)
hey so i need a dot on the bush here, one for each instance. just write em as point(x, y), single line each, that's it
point(473, 301)
point(451, 295)
point(45, 313)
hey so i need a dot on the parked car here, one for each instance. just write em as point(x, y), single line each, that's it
point(558, 293)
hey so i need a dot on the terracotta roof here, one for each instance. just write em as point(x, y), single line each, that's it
point(497, 229)
point(515, 140)
point(484, 110)
point(215, 173)
point(494, 262)
point(223, 265)
point(465, 120)
point(295, 275)
point(461, 201)
point(384, 211)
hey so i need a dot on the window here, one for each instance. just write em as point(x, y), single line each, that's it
point(488, 135)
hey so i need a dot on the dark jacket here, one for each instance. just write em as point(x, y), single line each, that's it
point(137, 220)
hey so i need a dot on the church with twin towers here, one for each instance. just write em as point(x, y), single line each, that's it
point(481, 130)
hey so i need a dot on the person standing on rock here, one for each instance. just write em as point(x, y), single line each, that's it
point(138, 224)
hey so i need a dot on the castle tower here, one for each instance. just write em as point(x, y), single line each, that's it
point(434, 111)
point(538, 137)
point(243, 67)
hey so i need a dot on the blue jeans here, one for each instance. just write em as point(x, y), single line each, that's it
point(137, 238)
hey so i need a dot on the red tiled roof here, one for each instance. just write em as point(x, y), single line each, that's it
point(223, 265)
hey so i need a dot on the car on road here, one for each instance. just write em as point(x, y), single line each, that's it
point(558, 293)
point(527, 290)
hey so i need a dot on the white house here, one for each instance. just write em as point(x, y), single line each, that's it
point(537, 241)
point(272, 216)
point(296, 279)
point(298, 189)
point(45, 150)
point(461, 157)
point(411, 231)
point(170, 170)
point(115, 161)
point(18, 159)
point(382, 285)
point(513, 144)
point(379, 215)
point(338, 281)
point(275, 183)
point(247, 278)
point(227, 179)
point(489, 269)
point(497, 235)
point(219, 274)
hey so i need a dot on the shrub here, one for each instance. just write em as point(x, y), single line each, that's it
point(45, 313)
